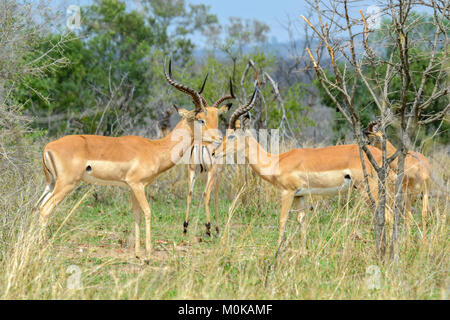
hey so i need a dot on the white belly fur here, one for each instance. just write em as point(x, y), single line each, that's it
point(324, 183)
point(93, 180)
point(325, 191)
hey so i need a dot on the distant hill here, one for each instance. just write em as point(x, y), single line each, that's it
point(280, 49)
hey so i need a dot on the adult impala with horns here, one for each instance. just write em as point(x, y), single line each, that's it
point(300, 172)
point(128, 161)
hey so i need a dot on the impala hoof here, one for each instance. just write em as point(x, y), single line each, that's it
point(217, 230)
point(208, 229)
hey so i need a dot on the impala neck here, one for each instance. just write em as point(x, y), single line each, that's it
point(176, 143)
point(390, 149)
point(265, 164)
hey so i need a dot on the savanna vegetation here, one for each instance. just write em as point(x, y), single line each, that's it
point(106, 77)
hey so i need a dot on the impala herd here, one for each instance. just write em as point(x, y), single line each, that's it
point(134, 162)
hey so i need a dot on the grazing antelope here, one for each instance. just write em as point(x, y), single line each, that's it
point(300, 172)
point(128, 161)
point(201, 159)
point(417, 171)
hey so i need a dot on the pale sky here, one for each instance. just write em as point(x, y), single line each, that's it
point(273, 12)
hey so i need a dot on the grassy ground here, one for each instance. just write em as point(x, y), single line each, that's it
point(93, 239)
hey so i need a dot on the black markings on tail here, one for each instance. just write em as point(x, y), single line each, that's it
point(88, 169)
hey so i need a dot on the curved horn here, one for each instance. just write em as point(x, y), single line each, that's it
point(203, 85)
point(199, 106)
point(242, 109)
point(201, 90)
point(230, 96)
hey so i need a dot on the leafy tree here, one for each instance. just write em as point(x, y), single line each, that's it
point(115, 64)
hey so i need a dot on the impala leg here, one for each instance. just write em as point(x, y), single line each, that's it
point(139, 193)
point(191, 181)
point(216, 198)
point(389, 211)
point(44, 197)
point(137, 225)
point(408, 204)
point(49, 186)
point(49, 202)
point(52, 199)
point(286, 202)
point(299, 205)
point(424, 209)
point(207, 196)
point(390, 200)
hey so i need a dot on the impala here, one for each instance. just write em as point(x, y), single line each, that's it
point(300, 172)
point(417, 171)
point(201, 158)
point(128, 161)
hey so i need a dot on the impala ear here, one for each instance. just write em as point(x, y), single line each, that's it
point(186, 114)
point(372, 127)
point(225, 108)
point(375, 127)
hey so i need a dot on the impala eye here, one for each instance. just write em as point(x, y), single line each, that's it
point(201, 121)
point(231, 137)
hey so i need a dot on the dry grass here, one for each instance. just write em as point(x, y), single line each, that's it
point(239, 264)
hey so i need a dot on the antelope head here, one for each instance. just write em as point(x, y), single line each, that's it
point(235, 139)
point(218, 108)
point(199, 115)
point(373, 133)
